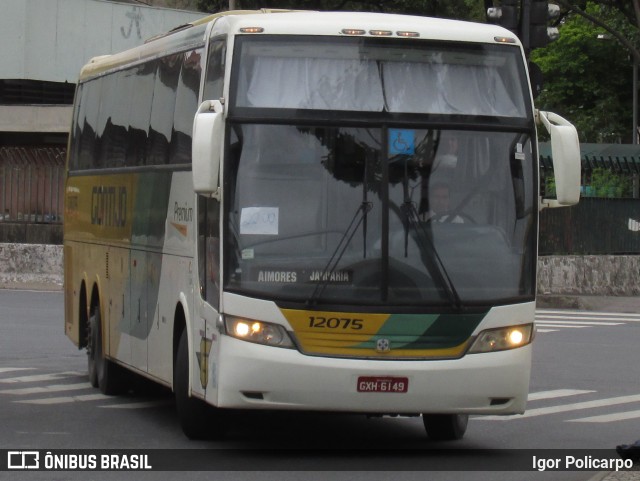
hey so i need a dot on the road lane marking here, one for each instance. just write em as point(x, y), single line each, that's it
point(552, 321)
point(614, 401)
point(60, 388)
point(608, 418)
point(556, 393)
point(42, 377)
point(581, 323)
point(66, 399)
point(11, 369)
point(46, 389)
point(563, 326)
point(586, 315)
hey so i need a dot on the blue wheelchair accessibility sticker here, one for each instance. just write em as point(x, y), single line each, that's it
point(402, 141)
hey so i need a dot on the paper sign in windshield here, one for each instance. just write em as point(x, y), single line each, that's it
point(259, 220)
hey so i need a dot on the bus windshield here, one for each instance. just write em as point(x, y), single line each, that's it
point(389, 212)
point(333, 207)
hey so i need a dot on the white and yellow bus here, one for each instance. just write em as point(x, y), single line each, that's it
point(311, 211)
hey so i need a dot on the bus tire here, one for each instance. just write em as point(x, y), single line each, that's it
point(92, 343)
point(445, 427)
point(103, 373)
point(195, 415)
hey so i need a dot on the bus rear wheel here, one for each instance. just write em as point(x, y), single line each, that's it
point(197, 419)
point(445, 427)
point(92, 348)
point(103, 373)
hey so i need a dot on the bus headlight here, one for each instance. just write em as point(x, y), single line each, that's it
point(502, 338)
point(257, 331)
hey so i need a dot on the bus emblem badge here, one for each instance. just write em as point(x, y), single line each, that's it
point(383, 345)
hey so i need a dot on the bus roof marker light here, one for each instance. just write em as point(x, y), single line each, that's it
point(407, 34)
point(505, 39)
point(252, 30)
point(381, 33)
point(353, 31)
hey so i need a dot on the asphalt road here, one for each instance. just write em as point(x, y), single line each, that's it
point(585, 395)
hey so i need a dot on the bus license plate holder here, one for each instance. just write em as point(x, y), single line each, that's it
point(383, 384)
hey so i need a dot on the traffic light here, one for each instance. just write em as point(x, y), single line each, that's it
point(527, 19)
point(540, 12)
point(506, 15)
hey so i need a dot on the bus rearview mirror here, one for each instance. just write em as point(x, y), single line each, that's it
point(206, 148)
point(565, 152)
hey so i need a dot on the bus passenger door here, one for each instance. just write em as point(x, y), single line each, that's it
point(208, 302)
point(208, 299)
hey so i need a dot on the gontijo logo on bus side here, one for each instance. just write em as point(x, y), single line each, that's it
point(109, 205)
point(101, 205)
point(435, 336)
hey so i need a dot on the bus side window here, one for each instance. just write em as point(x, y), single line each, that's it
point(185, 107)
point(77, 128)
point(162, 108)
point(214, 81)
point(117, 90)
point(140, 101)
point(89, 119)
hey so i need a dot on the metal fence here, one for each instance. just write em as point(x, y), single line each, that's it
point(595, 226)
point(31, 184)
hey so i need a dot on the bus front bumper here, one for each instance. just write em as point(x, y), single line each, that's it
point(254, 376)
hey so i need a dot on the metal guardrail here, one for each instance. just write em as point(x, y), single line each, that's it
point(618, 164)
point(32, 184)
point(32, 192)
point(595, 226)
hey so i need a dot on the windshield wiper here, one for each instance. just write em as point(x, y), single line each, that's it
point(332, 265)
point(431, 259)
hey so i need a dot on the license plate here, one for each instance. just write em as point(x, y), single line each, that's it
point(383, 384)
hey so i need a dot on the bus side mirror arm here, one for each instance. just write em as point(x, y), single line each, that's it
point(565, 152)
point(206, 148)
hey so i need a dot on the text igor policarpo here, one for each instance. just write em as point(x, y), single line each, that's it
point(572, 463)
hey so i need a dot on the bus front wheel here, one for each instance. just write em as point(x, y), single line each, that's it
point(197, 419)
point(445, 427)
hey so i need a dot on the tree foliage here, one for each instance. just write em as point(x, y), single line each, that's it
point(588, 72)
point(588, 79)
